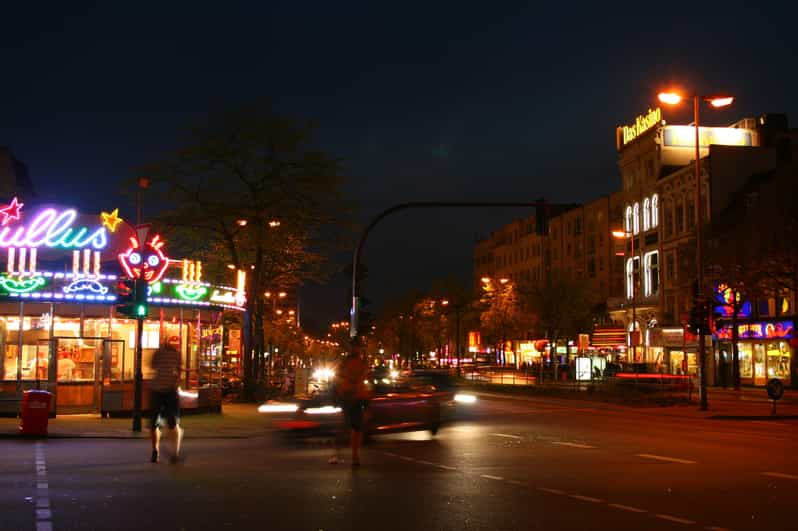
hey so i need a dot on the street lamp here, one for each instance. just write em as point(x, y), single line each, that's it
point(622, 235)
point(673, 98)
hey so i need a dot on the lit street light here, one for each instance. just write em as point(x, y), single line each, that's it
point(673, 98)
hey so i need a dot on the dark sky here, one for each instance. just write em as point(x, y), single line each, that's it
point(423, 101)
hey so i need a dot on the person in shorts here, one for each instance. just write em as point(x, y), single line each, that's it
point(165, 401)
point(353, 396)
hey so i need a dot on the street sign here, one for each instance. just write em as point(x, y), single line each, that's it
point(775, 389)
point(142, 231)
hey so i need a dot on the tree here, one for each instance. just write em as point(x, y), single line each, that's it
point(247, 191)
point(564, 308)
point(501, 316)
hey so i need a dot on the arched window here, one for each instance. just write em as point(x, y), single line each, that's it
point(627, 225)
point(636, 218)
point(630, 271)
point(654, 211)
point(646, 213)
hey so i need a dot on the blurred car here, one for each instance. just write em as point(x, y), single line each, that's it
point(421, 400)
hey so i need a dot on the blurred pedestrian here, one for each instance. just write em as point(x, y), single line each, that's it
point(353, 394)
point(165, 401)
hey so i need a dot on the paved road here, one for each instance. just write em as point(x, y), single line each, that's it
point(541, 464)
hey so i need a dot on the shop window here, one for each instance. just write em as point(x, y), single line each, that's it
point(778, 360)
point(646, 214)
point(636, 218)
point(745, 351)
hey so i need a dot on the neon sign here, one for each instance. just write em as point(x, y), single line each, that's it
point(85, 284)
point(643, 123)
point(227, 297)
point(50, 228)
point(759, 330)
point(21, 284)
point(147, 261)
point(111, 219)
point(190, 293)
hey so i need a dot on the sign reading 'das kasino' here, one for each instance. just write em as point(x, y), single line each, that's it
point(644, 122)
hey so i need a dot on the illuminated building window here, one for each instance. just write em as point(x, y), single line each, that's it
point(651, 269)
point(654, 211)
point(630, 289)
point(636, 218)
point(628, 220)
point(646, 213)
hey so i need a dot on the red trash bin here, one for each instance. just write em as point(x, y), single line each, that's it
point(35, 412)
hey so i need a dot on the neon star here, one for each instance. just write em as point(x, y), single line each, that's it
point(10, 212)
point(111, 220)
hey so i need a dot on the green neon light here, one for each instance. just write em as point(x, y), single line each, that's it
point(156, 288)
point(190, 293)
point(141, 310)
point(21, 285)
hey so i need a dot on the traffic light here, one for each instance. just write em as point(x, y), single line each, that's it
point(126, 296)
point(141, 288)
point(132, 295)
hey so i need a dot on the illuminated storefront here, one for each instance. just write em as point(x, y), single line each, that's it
point(764, 349)
point(59, 326)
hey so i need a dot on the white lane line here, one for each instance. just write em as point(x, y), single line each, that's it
point(446, 467)
point(406, 458)
point(506, 435)
point(676, 519)
point(781, 475)
point(626, 508)
point(391, 454)
point(44, 515)
point(488, 476)
point(425, 462)
point(514, 482)
point(586, 498)
point(668, 459)
point(552, 491)
point(572, 445)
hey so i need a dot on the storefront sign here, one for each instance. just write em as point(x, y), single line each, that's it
point(643, 123)
point(684, 136)
point(48, 228)
point(583, 369)
point(770, 330)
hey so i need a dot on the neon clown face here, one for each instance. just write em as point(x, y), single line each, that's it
point(147, 262)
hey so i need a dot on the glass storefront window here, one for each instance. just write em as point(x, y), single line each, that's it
point(759, 362)
point(778, 359)
point(746, 354)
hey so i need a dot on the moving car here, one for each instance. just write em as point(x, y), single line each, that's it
point(409, 402)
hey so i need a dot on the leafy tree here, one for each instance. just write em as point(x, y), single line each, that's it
point(248, 191)
point(501, 317)
point(564, 307)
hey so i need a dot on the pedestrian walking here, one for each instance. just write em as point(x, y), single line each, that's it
point(353, 395)
point(164, 399)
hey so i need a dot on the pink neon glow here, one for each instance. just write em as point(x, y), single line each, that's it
point(147, 261)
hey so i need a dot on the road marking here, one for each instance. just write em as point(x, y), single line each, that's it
point(779, 475)
point(425, 462)
point(572, 445)
point(586, 498)
point(391, 454)
point(406, 458)
point(552, 491)
point(514, 482)
point(665, 458)
point(488, 476)
point(626, 508)
point(507, 435)
point(446, 467)
point(44, 515)
point(769, 422)
point(676, 519)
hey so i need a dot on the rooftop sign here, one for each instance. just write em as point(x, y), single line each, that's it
point(644, 122)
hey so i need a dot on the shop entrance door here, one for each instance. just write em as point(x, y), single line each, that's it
point(114, 376)
point(760, 376)
point(79, 373)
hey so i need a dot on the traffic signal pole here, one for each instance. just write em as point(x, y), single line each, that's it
point(138, 378)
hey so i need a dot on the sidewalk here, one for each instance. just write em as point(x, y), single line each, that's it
point(237, 421)
point(723, 404)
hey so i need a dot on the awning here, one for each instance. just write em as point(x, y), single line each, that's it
point(608, 338)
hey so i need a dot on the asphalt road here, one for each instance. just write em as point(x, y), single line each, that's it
point(512, 465)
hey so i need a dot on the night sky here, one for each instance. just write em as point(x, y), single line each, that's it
point(422, 101)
